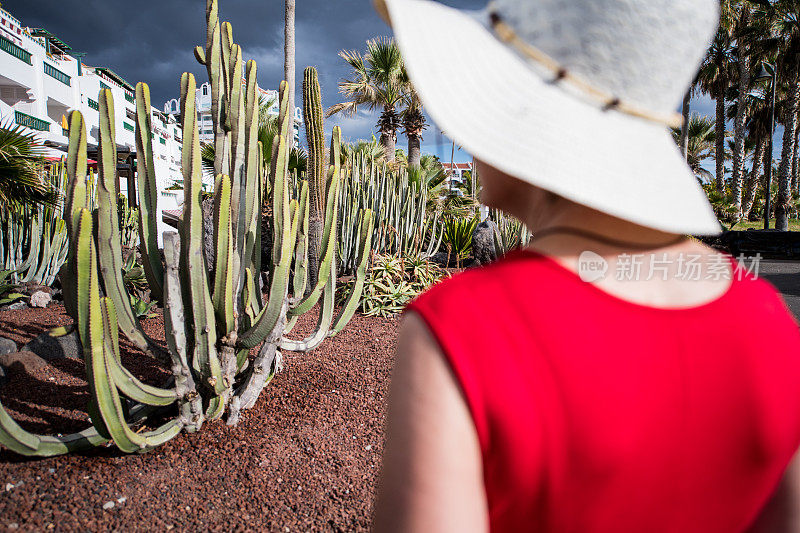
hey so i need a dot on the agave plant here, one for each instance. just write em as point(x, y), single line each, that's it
point(458, 237)
point(393, 281)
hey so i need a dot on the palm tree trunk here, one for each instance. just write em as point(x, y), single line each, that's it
point(752, 180)
point(739, 122)
point(288, 62)
point(388, 143)
point(685, 108)
point(782, 203)
point(720, 133)
point(452, 164)
point(387, 124)
point(414, 151)
point(795, 171)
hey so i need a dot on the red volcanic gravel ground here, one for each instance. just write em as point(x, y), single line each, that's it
point(305, 458)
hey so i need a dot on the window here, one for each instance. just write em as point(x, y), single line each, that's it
point(205, 90)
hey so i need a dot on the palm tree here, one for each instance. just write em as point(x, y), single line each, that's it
point(414, 124)
point(781, 19)
point(714, 77)
point(744, 33)
point(685, 113)
point(370, 150)
point(430, 175)
point(376, 82)
point(700, 141)
point(21, 170)
point(288, 60)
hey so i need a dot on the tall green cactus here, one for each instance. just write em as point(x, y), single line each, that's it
point(211, 321)
point(317, 168)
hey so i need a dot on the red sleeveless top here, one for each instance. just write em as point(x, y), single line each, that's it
point(599, 415)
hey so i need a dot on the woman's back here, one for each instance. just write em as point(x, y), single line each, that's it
point(597, 414)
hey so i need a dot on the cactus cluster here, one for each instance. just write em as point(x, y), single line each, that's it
point(406, 227)
point(33, 239)
point(212, 320)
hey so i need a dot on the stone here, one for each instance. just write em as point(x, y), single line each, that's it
point(49, 347)
point(40, 299)
point(22, 362)
point(484, 248)
point(3, 378)
point(7, 346)
point(16, 306)
point(108, 505)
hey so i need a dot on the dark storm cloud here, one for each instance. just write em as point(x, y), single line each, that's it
point(152, 40)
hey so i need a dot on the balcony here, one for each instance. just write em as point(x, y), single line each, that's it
point(129, 97)
point(16, 51)
point(31, 122)
point(53, 72)
point(94, 105)
point(128, 126)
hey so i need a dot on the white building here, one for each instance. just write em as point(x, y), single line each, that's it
point(40, 83)
point(455, 173)
point(204, 121)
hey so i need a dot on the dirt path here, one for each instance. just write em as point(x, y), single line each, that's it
point(304, 459)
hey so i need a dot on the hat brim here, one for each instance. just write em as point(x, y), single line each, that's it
point(490, 101)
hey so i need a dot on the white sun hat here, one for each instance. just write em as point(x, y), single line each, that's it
point(573, 96)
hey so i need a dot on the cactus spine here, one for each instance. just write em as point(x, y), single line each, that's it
point(211, 322)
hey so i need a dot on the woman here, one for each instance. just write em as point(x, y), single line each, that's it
point(616, 375)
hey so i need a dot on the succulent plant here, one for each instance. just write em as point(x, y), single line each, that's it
point(211, 322)
point(405, 225)
point(33, 239)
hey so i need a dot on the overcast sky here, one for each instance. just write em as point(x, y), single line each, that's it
point(152, 41)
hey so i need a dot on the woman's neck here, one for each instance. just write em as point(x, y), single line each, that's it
point(589, 225)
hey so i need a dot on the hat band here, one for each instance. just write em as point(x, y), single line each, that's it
point(505, 33)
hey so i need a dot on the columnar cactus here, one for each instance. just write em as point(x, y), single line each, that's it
point(33, 239)
point(317, 167)
point(406, 227)
point(211, 322)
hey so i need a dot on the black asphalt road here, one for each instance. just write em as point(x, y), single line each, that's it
point(785, 275)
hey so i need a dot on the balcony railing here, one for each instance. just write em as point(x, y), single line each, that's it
point(53, 72)
point(129, 97)
point(33, 123)
point(128, 126)
point(94, 105)
point(15, 50)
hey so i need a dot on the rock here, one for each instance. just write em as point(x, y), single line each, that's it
point(49, 347)
point(7, 346)
point(29, 288)
point(484, 248)
point(108, 505)
point(40, 299)
point(3, 378)
point(15, 306)
point(23, 362)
